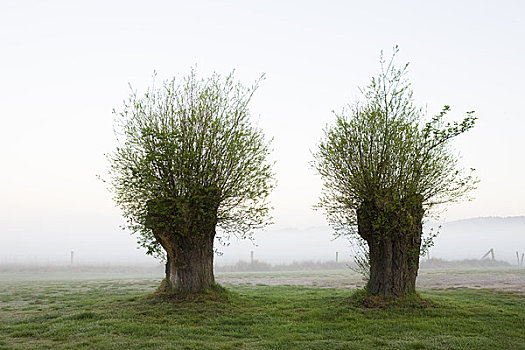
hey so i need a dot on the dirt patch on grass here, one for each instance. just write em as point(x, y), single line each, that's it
point(498, 279)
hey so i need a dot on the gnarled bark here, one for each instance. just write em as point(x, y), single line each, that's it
point(393, 233)
point(185, 228)
point(190, 264)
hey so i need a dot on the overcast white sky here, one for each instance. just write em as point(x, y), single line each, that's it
point(64, 65)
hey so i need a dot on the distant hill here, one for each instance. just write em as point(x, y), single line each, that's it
point(102, 242)
point(472, 238)
point(458, 240)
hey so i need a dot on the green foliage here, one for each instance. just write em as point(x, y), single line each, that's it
point(385, 152)
point(188, 151)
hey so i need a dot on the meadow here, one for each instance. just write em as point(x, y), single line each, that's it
point(120, 311)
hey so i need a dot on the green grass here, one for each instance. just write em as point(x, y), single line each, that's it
point(122, 314)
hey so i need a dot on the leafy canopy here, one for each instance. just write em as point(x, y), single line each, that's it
point(383, 148)
point(191, 137)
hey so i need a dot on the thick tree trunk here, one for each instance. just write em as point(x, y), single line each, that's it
point(185, 228)
point(191, 264)
point(167, 269)
point(393, 234)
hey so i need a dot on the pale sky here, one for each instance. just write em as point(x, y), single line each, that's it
point(64, 65)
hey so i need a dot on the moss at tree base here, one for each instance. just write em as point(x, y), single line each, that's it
point(216, 292)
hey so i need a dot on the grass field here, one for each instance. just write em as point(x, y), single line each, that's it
point(121, 314)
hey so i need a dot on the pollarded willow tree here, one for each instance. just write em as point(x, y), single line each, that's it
point(384, 166)
point(190, 166)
